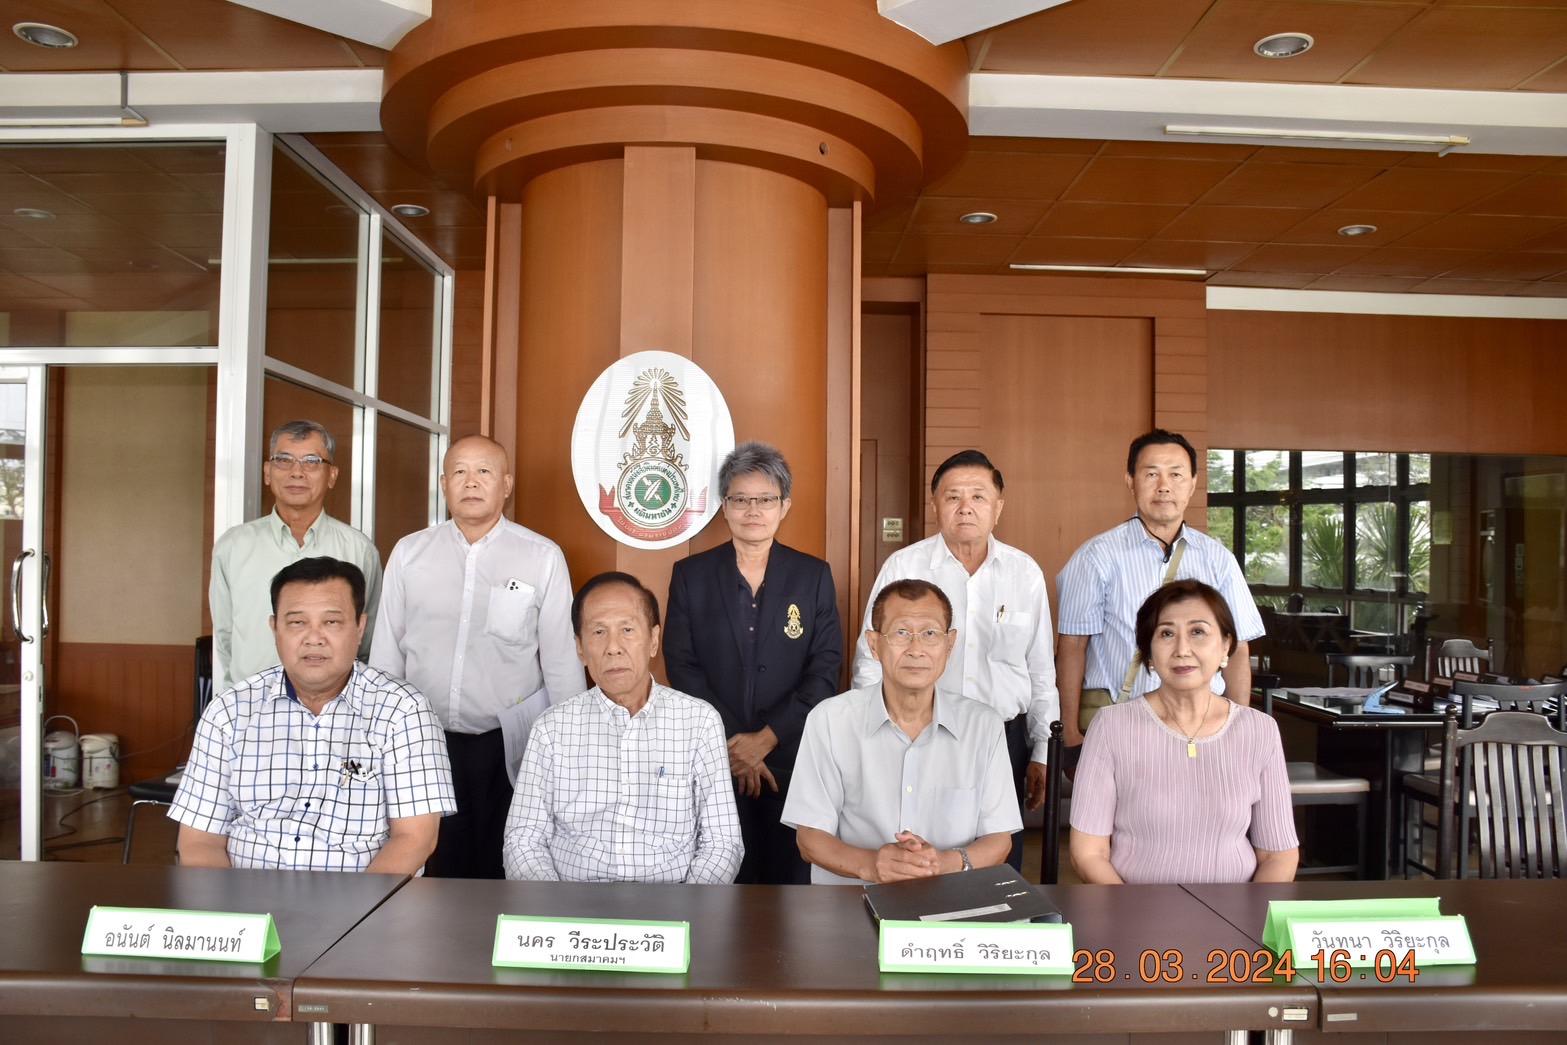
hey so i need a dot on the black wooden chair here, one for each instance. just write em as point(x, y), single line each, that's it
point(159, 791)
point(1513, 777)
point(1424, 789)
point(1055, 786)
point(1312, 785)
point(1366, 670)
point(1458, 655)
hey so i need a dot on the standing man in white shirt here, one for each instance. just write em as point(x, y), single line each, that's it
point(1109, 577)
point(1003, 655)
point(299, 472)
point(476, 613)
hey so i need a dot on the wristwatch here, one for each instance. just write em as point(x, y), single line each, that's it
point(968, 865)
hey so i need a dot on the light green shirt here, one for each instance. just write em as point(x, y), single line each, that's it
point(244, 561)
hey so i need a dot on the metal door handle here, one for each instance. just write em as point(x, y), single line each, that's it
point(43, 595)
point(16, 594)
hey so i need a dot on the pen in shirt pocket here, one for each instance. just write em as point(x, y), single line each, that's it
point(1001, 614)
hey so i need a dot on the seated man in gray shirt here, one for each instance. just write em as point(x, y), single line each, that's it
point(895, 781)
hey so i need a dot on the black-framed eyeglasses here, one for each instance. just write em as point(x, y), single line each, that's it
point(930, 638)
point(767, 502)
point(308, 463)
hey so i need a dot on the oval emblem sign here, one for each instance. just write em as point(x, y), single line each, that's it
point(645, 450)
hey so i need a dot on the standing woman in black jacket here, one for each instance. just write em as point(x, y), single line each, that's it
point(752, 628)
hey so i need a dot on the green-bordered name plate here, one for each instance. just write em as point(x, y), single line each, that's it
point(151, 932)
point(1019, 948)
point(531, 942)
point(1356, 932)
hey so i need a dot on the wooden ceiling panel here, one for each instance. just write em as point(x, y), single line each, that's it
point(372, 166)
point(1556, 239)
point(1402, 261)
point(44, 160)
point(1097, 37)
point(1538, 194)
point(878, 248)
point(1289, 257)
point(1188, 254)
point(1232, 224)
point(1064, 146)
point(216, 34)
point(1545, 288)
point(1279, 280)
point(1118, 220)
point(1380, 158)
point(1117, 179)
point(1323, 226)
point(1368, 284)
point(1220, 47)
point(37, 262)
point(893, 218)
point(1461, 160)
point(1437, 191)
point(1064, 250)
point(955, 250)
point(938, 215)
point(1288, 184)
point(1017, 176)
point(1480, 232)
point(106, 40)
point(1513, 265)
point(1553, 79)
point(1469, 48)
point(1486, 287)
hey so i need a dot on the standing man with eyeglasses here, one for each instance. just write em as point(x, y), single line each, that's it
point(299, 472)
point(901, 779)
point(753, 630)
point(1004, 655)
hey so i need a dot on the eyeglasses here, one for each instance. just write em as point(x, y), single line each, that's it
point(767, 502)
point(930, 638)
point(308, 463)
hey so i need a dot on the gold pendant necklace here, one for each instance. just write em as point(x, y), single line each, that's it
point(1191, 738)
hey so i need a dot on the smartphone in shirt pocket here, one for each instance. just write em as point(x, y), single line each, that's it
point(513, 609)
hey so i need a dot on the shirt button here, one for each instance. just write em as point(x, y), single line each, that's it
point(307, 805)
point(296, 838)
point(909, 790)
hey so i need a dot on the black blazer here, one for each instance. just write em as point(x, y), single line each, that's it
point(792, 675)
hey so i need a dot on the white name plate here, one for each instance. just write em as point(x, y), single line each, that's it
point(530, 942)
point(1434, 941)
point(147, 932)
point(1020, 948)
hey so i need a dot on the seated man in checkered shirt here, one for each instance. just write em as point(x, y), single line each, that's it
point(630, 780)
point(321, 763)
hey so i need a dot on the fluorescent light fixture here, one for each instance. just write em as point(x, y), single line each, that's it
point(72, 121)
point(1123, 270)
point(1442, 141)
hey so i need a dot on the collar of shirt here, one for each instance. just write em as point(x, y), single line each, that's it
point(491, 534)
point(285, 535)
point(348, 694)
point(1139, 531)
point(940, 554)
point(609, 707)
point(876, 714)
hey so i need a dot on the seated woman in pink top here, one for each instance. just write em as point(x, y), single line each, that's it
point(1181, 785)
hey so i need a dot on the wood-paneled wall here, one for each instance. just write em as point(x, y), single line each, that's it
point(145, 695)
point(1053, 376)
point(1323, 381)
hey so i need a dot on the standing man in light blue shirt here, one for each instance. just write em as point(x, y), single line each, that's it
point(299, 472)
point(1110, 576)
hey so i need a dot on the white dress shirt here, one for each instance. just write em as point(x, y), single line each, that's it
point(1004, 655)
point(309, 792)
point(607, 796)
point(478, 627)
point(860, 778)
point(244, 561)
point(1109, 578)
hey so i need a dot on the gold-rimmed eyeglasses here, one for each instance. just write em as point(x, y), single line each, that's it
point(930, 638)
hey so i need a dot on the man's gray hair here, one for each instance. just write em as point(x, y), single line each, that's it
point(755, 457)
point(303, 430)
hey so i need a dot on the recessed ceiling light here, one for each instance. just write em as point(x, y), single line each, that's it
point(409, 210)
point(34, 213)
point(978, 217)
point(40, 35)
point(1283, 45)
point(1357, 230)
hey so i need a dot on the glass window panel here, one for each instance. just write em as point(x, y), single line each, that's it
point(1267, 543)
point(284, 401)
point(1322, 546)
point(1420, 546)
point(1221, 471)
point(110, 244)
point(1221, 526)
point(1321, 470)
point(408, 331)
point(1374, 615)
point(1267, 470)
point(312, 273)
point(1419, 468)
point(1376, 545)
point(1375, 470)
point(402, 481)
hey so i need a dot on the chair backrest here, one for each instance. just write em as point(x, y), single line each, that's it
point(1540, 697)
point(1514, 768)
point(204, 692)
point(1055, 781)
point(1457, 655)
point(1366, 670)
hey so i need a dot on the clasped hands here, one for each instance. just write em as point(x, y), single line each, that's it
point(910, 856)
point(747, 760)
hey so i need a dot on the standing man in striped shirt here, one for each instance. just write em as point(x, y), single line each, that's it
point(1002, 656)
point(1107, 579)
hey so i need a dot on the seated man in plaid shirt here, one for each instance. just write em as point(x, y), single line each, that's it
point(321, 763)
point(628, 782)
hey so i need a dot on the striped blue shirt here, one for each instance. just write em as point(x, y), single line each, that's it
point(1111, 575)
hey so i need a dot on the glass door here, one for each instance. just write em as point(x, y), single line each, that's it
point(25, 615)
